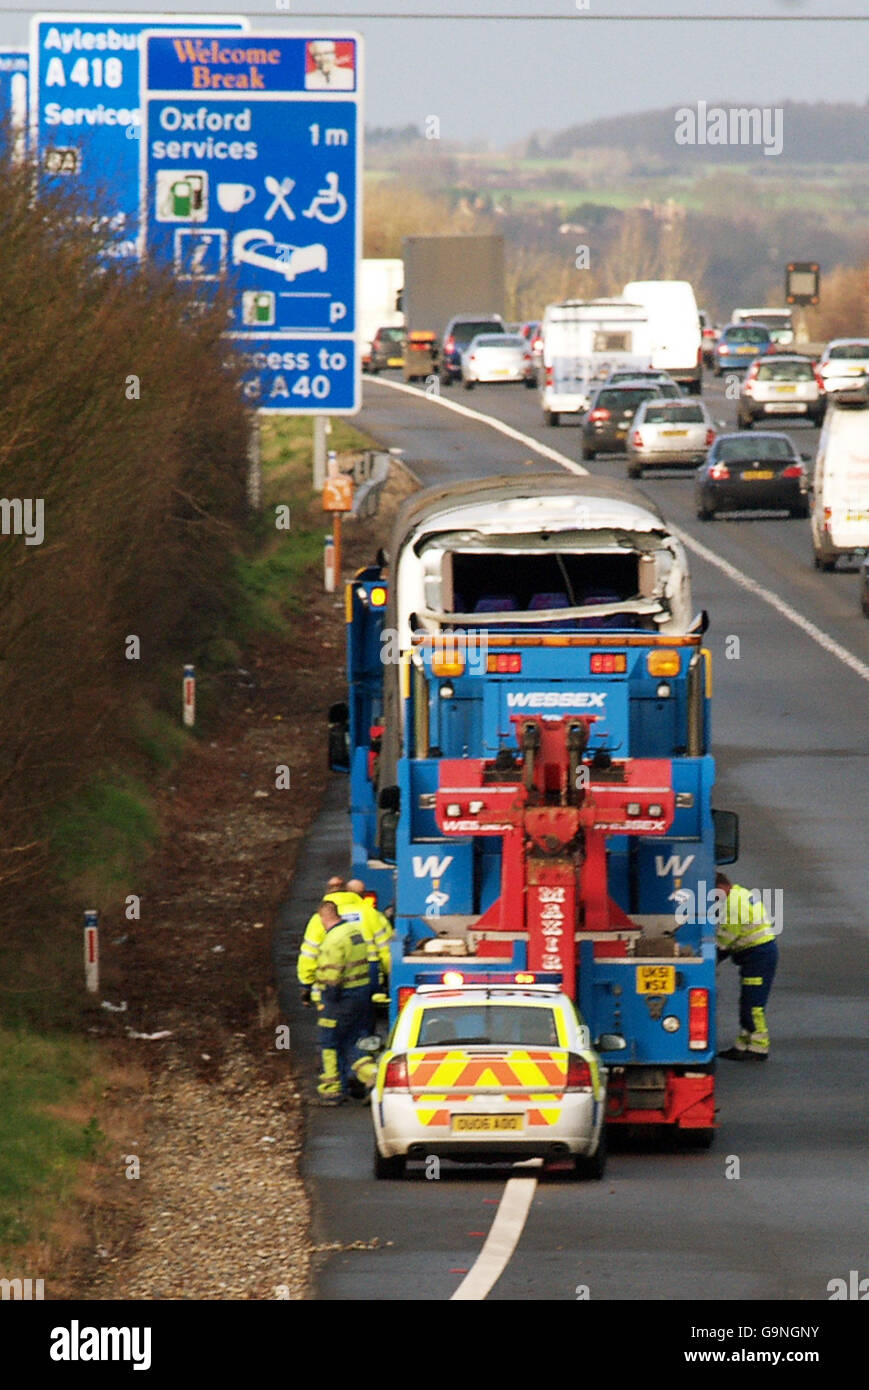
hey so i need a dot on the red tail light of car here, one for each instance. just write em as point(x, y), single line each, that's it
point(793, 470)
point(578, 1074)
point(599, 413)
point(550, 376)
point(396, 1078)
point(819, 379)
point(637, 440)
point(720, 472)
point(450, 344)
point(710, 438)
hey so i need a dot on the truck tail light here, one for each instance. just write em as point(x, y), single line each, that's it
point(700, 355)
point(396, 1077)
point(504, 663)
point(578, 1074)
point(599, 413)
point(550, 376)
point(698, 1019)
point(828, 517)
point(608, 663)
point(710, 438)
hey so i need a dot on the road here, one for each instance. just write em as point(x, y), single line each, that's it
point(776, 1209)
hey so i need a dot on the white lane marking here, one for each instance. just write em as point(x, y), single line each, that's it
point(486, 420)
point(501, 1241)
point(817, 634)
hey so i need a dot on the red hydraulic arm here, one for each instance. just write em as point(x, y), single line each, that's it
point(554, 806)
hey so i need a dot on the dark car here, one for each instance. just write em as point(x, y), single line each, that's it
point(387, 349)
point(459, 332)
point(610, 412)
point(739, 344)
point(747, 471)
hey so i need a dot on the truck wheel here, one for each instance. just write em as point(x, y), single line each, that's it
point(551, 417)
point(801, 512)
point(388, 1167)
point(591, 1167)
point(696, 1138)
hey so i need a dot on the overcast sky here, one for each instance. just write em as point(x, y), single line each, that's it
point(501, 78)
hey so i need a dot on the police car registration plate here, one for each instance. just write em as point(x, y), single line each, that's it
point(475, 1124)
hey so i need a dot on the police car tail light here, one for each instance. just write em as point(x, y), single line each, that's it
point(404, 994)
point(578, 1074)
point(698, 1019)
point(396, 1078)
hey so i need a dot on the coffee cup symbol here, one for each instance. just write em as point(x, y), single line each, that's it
point(232, 197)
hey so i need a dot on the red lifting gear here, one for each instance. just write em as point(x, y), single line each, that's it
point(554, 810)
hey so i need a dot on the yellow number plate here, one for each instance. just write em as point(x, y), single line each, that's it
point(656, 979)
point(761, 475)
point(785, 390)
point(673, 434)
point(479, 1124)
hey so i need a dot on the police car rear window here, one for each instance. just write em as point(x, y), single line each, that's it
point(527, 1025)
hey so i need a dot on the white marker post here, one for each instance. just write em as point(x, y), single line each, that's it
point(329, 565)
point(91, 952)
point(188, 697)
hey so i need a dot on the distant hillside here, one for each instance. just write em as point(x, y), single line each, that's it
point(820, 133)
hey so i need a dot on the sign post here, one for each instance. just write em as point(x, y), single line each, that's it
point(14, 68)
point(84, 108)
point(337, 498)
point(91, 951)
point(251, 178)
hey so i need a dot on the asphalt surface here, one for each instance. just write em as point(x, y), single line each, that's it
point(790, 737)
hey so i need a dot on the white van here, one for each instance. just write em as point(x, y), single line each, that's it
point(840, 488)
point(674, 327)
point(583, 341)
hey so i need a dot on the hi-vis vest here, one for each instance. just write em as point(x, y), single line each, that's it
point(344, 961)
point(744, 923)
point(353, 909)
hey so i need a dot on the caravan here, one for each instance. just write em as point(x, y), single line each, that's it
point(583, 341)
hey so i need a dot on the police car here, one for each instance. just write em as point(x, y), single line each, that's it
point(489, 1073)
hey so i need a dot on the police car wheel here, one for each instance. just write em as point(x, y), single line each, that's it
point(591, 1167)
point(388, 1167)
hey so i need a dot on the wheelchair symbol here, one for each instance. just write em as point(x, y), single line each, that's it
point(328, 197)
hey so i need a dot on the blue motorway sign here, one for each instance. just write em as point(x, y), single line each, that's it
point(251, 177)
point(84, 107)
point(13, 89)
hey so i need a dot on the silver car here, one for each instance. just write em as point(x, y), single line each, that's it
point(669, 433)
point(843, 361)
point(784, 386)
point(493, 357)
